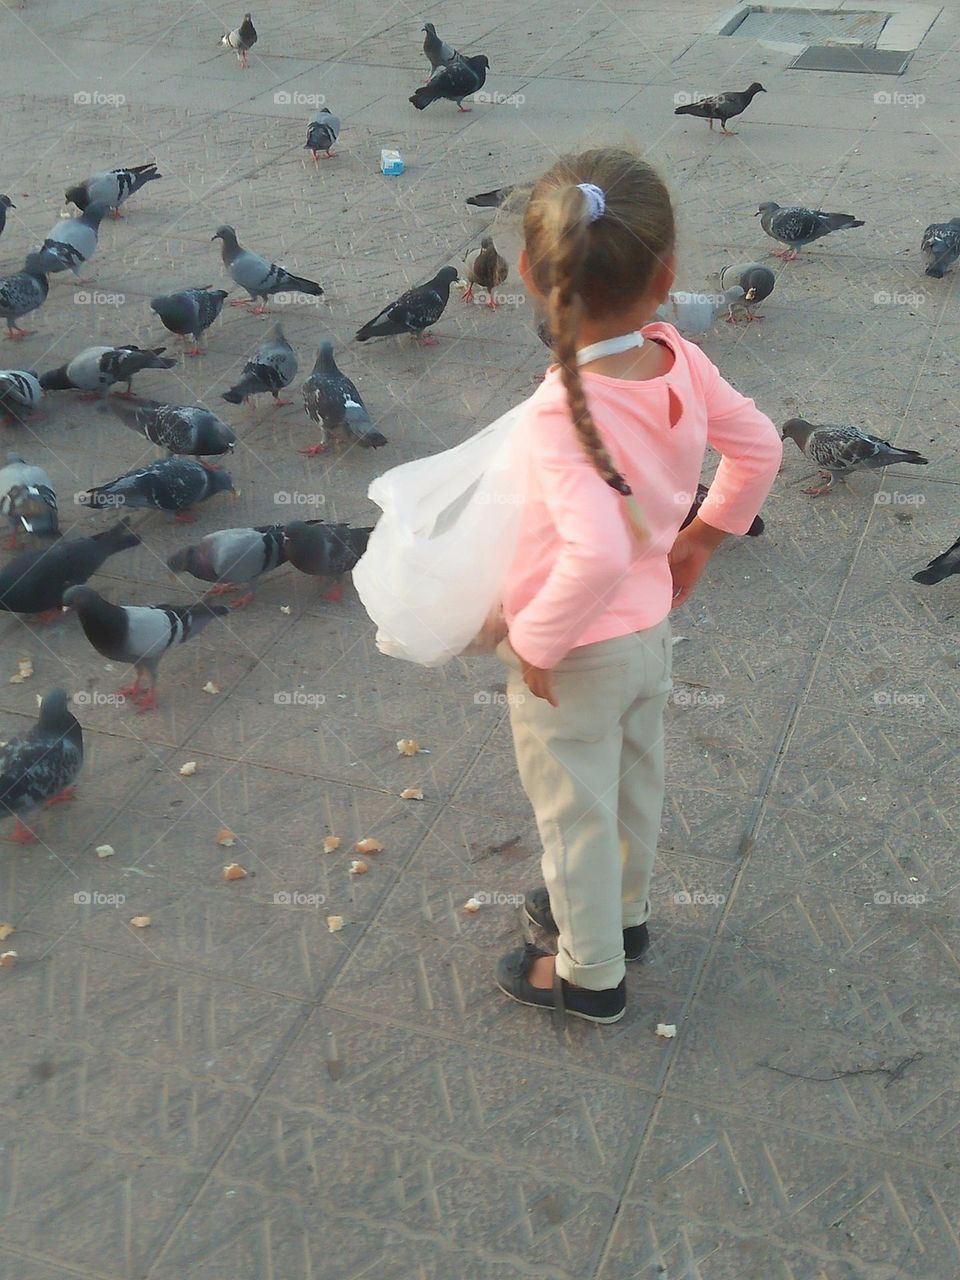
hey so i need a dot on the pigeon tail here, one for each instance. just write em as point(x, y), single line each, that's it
point(119, 537)
point(301, 285)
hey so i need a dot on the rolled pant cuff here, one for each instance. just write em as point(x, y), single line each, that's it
point(634, 915)
point(592, 977)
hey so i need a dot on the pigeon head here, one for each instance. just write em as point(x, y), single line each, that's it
point(95, 212)
point(76, 195)
point(225, 233)
point(429, 28)
point(220, 481)
point(482, 61)
point(756, 87)
point(53, 710)
point(35, 265)
point(486, 243)
point(797, 430)
point(78, 597)
point(447, 275)
point(7, 203)
point(186, 560)
point(214, 436)
point(768, 206)
point(296, 533)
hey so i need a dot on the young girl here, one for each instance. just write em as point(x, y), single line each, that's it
point(611, 452)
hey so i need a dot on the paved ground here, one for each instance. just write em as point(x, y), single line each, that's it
point(237, 1092)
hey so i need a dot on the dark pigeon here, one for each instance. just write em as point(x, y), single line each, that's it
point(112, 187)
point(96, 369)
point(259, 277)
point(40, 766)
point(241, 40)
point(722, 106)
point(454, 82)
point(273, 368)
point(940, 567)
point(232, 558)
point(332, 400)
point(22, 293)
point(178, 428)
point(941, 246)
point(839, 450)
point(798, 226)
point(5, 204)
point(139, 634)
point(491, 199)
point(172, 484)
point(754, 531)
point(757, 283)
point(414, 311)
point(322, 132)
point(325, 550)
point(34, 582)
point(189, 313)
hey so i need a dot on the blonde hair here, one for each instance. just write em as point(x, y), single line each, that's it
point(595, 269)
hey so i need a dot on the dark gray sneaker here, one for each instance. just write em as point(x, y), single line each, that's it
point(536, 906)
point(593, 1006)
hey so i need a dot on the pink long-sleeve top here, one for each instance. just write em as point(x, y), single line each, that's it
point(578, 575)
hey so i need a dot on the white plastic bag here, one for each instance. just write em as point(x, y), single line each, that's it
point(434, 566)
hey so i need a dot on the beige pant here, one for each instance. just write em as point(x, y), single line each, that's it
point(592, 768)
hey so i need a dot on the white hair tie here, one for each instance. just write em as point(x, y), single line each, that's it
point(596, 201)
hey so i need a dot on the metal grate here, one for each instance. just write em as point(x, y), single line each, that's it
point(812, 26)
point(875, 62)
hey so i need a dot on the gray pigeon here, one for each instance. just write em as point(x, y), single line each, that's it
point(232, 558)
point(414, 311)
point(756, 281)
point(189, 312)
point(696, 313)
point(111, 187)
point(942, 566)
point(439, 53)
point(172, 484)
point(40, 766)
point(73, 241)
point(96, 369)
point(325, 550)
point(322, 132)
point(241, 40)
point(5, 204)
point(22, 293)
point(941, 245)
point(331, 399)
point(259, 277)
point(455, 82)
point(273, 368)
point(722, 106)
point(178, 428)
point(838, 450)
point(20, 393)
point(27, 499)
point(798, 226)
point(139, 634)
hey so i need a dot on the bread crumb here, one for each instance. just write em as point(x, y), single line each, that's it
point(233, 871)
point(331, 844)
point(188, 770)
point(334, 923)
point(105, 850)
point(411, 793)
point(141, 922)
point(666, 1029)
point(358, 867)
point(368, 846)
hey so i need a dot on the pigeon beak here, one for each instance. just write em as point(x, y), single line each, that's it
point(756, 215)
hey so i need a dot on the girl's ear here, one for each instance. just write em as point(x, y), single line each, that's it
point(523, 266)
point(664, 277)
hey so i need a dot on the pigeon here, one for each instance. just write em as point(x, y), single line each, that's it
point(96, 369)
point(241, 40)
point(34, 581)
point(273, 368)
point(491, 199)
point(19, 390)
point(73, 241)
point(40, 766)
point(414, 311)
point(172, 484)
point(139, 634)
point(754, 531)
point(258, 276)
point(325, 550)
point(722, 107)
point(941, 244)
point(112, 187)
point(454, 82)
point(696, 313)
point(837, 450)
point(322, 132)
point(797, 226)
point(757, 283)
point(940, 567)
point(27, 499)
point(189, 312)
point(331, 399)
point(439, 53)
point(23, 293)
point(488, 270)
point(5, 204)
point(178, 428)
point(232, 558)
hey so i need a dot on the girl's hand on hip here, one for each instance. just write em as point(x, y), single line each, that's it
point(689, 555)
point(539, 680)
